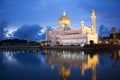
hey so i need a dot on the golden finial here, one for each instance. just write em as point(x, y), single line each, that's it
point(64, 13)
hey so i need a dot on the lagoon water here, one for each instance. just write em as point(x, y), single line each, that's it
point(59, 65)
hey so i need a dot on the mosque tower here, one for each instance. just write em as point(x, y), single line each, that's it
point(82, 26)
point(93, 18)
point(47, 34)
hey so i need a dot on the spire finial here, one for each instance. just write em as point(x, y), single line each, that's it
point(64, 13)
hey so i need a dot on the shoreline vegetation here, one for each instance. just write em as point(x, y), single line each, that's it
point(17, 44)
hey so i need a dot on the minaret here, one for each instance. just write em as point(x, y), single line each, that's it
point(52, 28)
point(93, 18)
point(82, 26)
point(47, 34)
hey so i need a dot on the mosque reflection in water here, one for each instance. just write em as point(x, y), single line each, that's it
point(64, 60)
point(93, 67)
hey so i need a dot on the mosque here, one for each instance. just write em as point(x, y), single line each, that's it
point(65, 35)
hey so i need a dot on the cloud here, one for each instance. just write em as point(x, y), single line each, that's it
point(30, 32)
point(3, 26)
point(47, 12)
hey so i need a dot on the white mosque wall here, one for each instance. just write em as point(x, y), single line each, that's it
point(93, 37)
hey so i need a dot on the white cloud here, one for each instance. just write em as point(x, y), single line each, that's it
point(10, 31)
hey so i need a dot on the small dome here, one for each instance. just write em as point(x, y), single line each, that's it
point(93, 12)
point(82, 22)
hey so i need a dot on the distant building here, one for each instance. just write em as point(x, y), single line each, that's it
point(65, 35)
point(113, 39)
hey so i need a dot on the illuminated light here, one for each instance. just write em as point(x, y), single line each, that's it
point(63, 68)
point(52, 66)
point(99, 41)
point(119, 52)
point(45, 44)
point(42, 45)
point(74, 56)
point(74, 41)
point(106, 42)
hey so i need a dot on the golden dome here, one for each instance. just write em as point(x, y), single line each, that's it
point(64, 17)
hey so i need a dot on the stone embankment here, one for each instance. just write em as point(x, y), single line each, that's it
point(99, 47)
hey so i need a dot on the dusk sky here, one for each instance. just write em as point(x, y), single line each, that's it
point(47, 12)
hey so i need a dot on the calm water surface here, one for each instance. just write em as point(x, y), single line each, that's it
point(59, 65)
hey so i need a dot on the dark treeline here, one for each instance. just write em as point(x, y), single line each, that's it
point(18, 42)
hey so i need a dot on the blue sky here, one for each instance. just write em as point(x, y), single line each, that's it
point(46, 12)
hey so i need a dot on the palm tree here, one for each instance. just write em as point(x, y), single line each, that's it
point(113, 30)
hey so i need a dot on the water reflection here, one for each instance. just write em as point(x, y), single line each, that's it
point(64, 60)
point(68, 65)
point(115, 56)
point(22, 57)
point(8, 57)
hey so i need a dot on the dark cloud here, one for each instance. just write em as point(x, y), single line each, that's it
point(3, 26)
point(29, 32)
